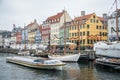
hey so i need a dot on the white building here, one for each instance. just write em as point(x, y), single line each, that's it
point(56, 21)
point(112, 26)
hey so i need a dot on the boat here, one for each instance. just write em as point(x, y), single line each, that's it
point(66, 57)
point(110, 49)
point(23, 53)
point(107, 49)
point(34, 62)
point(109, 62)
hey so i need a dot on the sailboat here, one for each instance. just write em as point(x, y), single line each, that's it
point(109, 49)
point(66, 57)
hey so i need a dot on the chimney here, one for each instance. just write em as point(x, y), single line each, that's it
point(14, 26)
point(82, 13)
point(35, 21)
point(105, 15)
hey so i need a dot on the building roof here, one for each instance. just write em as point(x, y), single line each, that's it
point(30, 24)
point(83, 17)
point(58, 15)
point(35, 21)
point(102, 19)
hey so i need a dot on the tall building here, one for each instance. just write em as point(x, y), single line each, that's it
point(32, 28)
point(91, 29)
point(112, 35)
point(14, 35)
point(55, 22)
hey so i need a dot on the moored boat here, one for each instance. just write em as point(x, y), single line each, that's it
point(107, 49)
point(40, 63)
point(66, 58)
point(109, 62)
point(23, 53)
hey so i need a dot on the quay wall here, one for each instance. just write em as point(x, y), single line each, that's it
point(87, 54)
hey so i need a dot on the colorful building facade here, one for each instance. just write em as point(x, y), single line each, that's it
point(55, 22)
point(32, 28)
point(91, 29)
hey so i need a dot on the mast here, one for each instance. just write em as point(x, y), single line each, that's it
point(117, 22)
point(78, 39)
point(25, 36)
point(64, 31)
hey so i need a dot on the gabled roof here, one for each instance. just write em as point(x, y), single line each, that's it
point(102, 19)
point(30, 24)
point(83, 17)
point(58, 15)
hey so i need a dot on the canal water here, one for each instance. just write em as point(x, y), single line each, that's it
point(73, 71)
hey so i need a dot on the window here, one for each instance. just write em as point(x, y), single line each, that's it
point(74, 27)
point(80, 33)
point(87, 41)
point(75, 34)
point(91, 20)
point(100, 27)
point(88, 26)
point(88, 33)
point(96, 21)
point(112, 22)
point(97, 27)
point(83, 41)
point(83, 33)
point(81, 27)
point(72, 34)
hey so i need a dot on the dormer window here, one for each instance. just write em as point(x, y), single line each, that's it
point(83, 20)
point(93, 16)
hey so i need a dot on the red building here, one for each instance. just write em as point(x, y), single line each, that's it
point(45, 29)
point(18, 37)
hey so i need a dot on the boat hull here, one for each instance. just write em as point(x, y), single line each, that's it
point(108, 52)
point(35, 65)
point(102, 62)
point(66, 58)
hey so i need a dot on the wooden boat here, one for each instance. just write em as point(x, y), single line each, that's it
point(66, 58)
point(23, 52)
point(40, 63)
point(110, 62)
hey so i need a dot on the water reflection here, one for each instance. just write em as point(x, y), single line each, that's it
point(73, 71)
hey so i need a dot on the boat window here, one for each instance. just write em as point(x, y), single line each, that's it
point(39, 60)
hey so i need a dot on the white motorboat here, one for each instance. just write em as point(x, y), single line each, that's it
point(40, 63)
point(66, 57)
point(110, 49)
point(107, 49)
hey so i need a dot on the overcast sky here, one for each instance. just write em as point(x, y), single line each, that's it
point(23, 12)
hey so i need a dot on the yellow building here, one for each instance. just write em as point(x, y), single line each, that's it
point(91, 27)
point(32, 28)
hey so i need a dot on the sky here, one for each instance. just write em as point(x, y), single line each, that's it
point(23, 12)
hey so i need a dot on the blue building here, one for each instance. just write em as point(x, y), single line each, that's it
point(38, 37)
point(25, 35)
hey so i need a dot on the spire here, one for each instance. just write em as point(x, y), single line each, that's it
point(35, 21)
point(14, 26)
